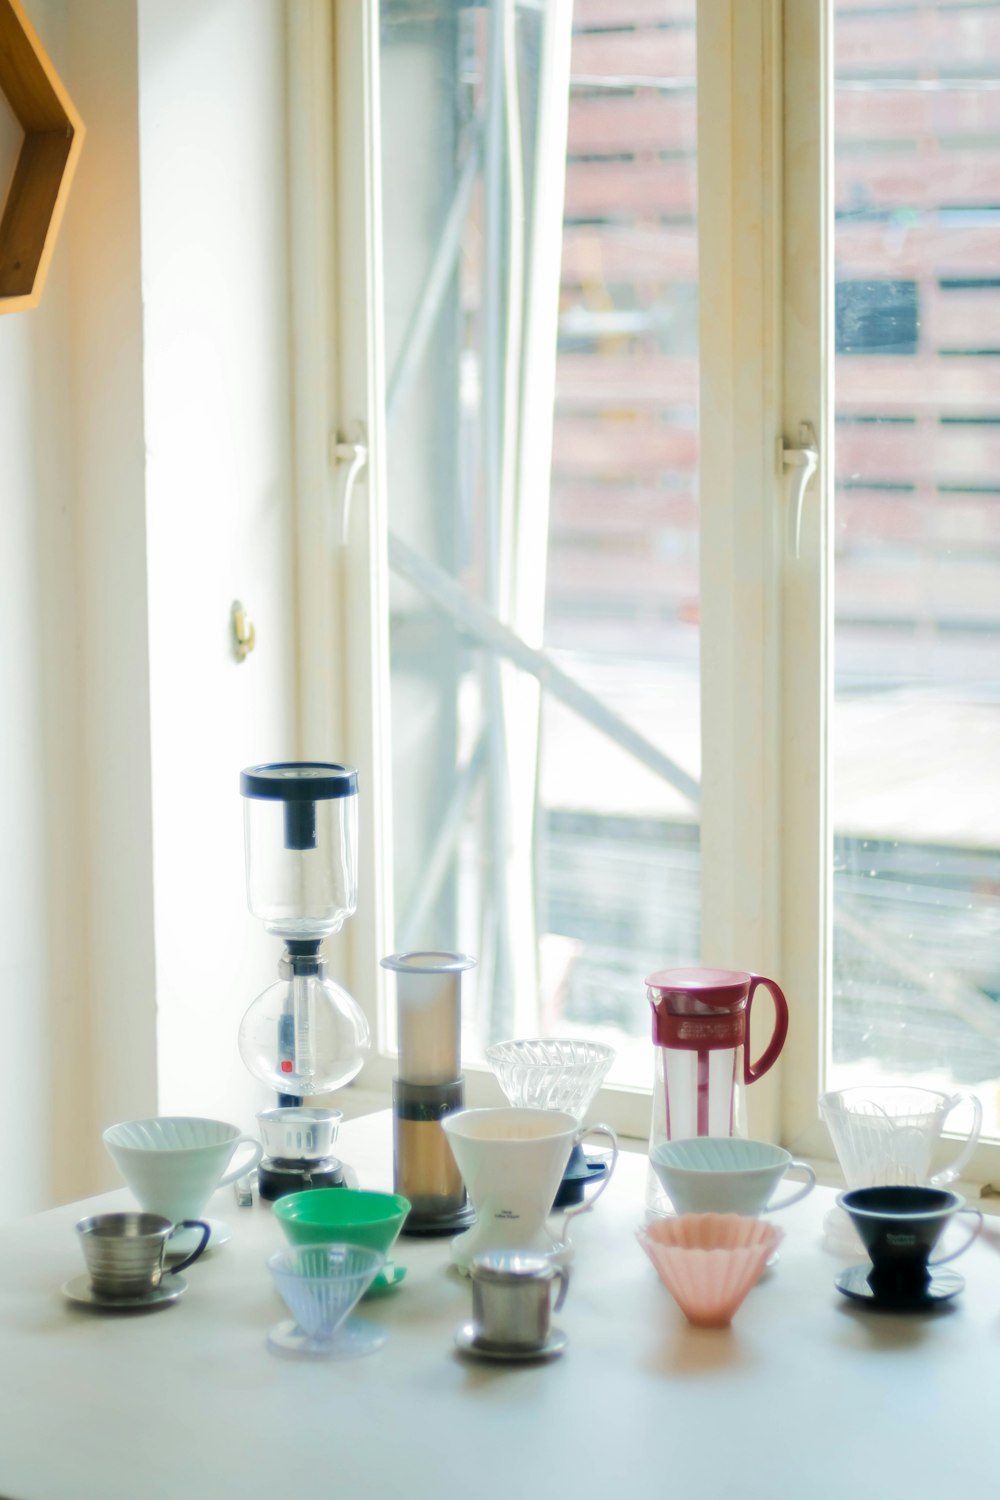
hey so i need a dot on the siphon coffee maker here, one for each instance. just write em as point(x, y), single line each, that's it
point(428, 1087)
point(701, 1034)
point(304, 1035)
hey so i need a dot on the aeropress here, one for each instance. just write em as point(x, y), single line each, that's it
point(429, 1086)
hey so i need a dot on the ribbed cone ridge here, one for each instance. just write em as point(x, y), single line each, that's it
point(713, 1232)
point(550, 1072)
point(884, 1135)
point(728, 1153)
point(709, 1262)
point(875, 1152)
point(175, 1133)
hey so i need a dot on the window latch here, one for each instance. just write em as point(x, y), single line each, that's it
point(801, 463)
point(349, 458)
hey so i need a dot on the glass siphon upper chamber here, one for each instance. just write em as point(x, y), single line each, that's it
point(300, 822)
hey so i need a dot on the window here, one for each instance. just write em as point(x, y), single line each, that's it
point(601, 677)
point(916, 858)
point(877, 317)
point(541, 448)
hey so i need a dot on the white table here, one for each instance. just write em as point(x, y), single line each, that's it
point(806, 1395)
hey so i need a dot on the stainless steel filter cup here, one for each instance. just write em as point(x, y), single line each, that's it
point(124, 1252)
point(298, 1133)
point(512, 1298)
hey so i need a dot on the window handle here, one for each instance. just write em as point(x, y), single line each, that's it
point(803, 462)
point(349, 458)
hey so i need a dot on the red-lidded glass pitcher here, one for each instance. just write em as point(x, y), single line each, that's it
point(701, 1030)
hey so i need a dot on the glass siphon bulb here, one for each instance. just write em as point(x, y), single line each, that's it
point(304, 1035)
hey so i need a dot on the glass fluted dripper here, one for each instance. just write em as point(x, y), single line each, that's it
point(551, 1072)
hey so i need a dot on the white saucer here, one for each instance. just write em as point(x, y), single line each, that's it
point(941, 1286)
point(79, 1290)
point(466, 1342)
point(186, 1240)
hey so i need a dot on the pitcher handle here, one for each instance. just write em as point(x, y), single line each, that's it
point(588, 1203)
point(940, 1259)
point(246, 1166)
point(563, 1274)
point(954, 1167)
point(767, 1059)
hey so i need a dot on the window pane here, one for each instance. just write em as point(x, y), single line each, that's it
point(541, 326)
point(917, 718)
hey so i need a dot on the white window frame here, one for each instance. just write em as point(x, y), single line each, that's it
point(765, 229)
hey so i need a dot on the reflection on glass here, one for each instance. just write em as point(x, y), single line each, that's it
point(917, 723)
point(541, 329)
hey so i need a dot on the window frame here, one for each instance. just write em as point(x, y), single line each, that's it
point(765, 217)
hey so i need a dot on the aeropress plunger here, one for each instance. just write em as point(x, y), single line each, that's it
point(304, 1035)
point(429, 1086)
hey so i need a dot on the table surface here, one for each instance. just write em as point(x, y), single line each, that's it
point(806, 1394)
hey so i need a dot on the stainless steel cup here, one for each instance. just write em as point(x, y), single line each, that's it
point(297, 1133)
point(512, 1298)
point(124, 1252)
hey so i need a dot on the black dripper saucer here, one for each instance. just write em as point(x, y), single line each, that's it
point(581, 1170)
point(942, 1286)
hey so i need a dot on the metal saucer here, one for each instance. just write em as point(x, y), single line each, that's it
point(467, 1343)
point(943, 1285)
point(80, 1291)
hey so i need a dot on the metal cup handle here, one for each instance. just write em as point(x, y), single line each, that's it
point(563, 1273)
point(205, 1233)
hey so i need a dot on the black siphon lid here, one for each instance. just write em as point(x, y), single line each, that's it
point(299, 781)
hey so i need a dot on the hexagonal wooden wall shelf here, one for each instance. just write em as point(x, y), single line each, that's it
point(39, 187)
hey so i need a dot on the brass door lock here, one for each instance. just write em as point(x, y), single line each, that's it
point(244, 634)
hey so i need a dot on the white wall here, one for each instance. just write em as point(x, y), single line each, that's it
point(219, 490)
point(111, 734)
point(145, 481)
point(24, 815)
point(45, 998)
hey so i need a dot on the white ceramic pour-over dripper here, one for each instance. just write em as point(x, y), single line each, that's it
point(512, 1161)
point(174, 1163)
point(885, 1135)
point(551, 1072)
